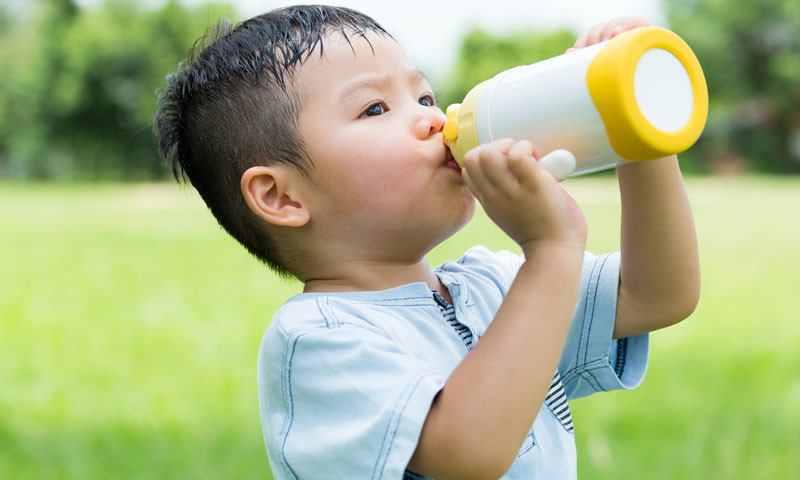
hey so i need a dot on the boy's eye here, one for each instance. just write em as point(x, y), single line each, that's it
point(427, 100)
point(375, 109)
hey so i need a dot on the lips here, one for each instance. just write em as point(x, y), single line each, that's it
point(450, 162)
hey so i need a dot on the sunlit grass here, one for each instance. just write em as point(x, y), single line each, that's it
point(130, 324)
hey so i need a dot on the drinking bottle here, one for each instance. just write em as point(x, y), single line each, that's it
point(639, 96)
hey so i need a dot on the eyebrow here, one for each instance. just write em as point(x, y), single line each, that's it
point(379, 82)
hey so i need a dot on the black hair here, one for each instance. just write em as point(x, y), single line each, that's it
point(230, 106)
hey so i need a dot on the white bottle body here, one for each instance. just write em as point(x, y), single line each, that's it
point(548, 103)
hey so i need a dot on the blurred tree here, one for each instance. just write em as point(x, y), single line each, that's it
point(7, 38)
point(482, 55)
point(750, 53)
point(79, 86)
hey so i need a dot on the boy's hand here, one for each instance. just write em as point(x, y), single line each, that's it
point(608, 30)
point(520, 197)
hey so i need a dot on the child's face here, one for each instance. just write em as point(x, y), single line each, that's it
point(381, 174)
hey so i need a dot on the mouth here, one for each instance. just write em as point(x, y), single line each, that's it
point(450, 162)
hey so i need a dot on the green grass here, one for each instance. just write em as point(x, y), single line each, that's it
point(130, 324)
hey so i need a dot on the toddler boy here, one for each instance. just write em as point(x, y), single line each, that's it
point(317, 144)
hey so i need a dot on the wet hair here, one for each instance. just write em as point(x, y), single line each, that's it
point(231, 106)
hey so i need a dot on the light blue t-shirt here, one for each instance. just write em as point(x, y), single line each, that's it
point(346, 379)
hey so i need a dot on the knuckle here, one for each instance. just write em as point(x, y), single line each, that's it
point(471, 158)
point(505, 144)
point(515, 157)
point(490, 163)
point(523, 150)
point(518, 159)
point(526, 145)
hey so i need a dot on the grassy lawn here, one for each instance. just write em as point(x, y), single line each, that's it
point(130, 324)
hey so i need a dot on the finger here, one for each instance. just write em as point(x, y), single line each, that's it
point(623, 24)
point(580, 42)
point(479, 160)
point(504, 145)
point(612, 28)
point(472, 166)
point(636, 22)
point(616, 31)
point(522, 161)
point(495, 166)
point(471, 185)
point(594, 34)
point(522, 149)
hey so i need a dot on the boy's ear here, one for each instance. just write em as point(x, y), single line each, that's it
point(272, 193)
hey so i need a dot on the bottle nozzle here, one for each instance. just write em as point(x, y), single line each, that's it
point(450, 130)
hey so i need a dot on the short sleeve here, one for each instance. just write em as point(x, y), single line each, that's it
point(347, 403)
point(592, 361)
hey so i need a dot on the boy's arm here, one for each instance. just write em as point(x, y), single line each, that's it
point(660, 269)
point(480, 418)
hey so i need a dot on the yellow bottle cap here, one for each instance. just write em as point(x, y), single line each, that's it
point(460, 133)
point(610, 80)
point(450, 131)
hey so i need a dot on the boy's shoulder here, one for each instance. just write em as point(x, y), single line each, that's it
point(479, 267)
point(322, 310)
point(483, 261)
point(302, 310)
point(307, 312)
point(480, 274)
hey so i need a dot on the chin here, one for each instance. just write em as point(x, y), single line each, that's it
point(469, 206)
point(465, 214)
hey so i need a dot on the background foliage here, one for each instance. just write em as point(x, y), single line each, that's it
point(129, 322)
point(750, 52)
point(77, 86)
point(128, 348)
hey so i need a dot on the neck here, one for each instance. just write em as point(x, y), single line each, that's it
point(371, 275)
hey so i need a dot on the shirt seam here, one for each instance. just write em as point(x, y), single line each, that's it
point(529, 447)
point(331, 321)
point(588, 375)
point(326, 311)
point(578, 370)
point(394, 423)
point(405, 396)
point(286, 380)
point(395, 302)
point(622, 353)
point(588, 314)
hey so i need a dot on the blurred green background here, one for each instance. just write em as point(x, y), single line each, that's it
point(130, 323)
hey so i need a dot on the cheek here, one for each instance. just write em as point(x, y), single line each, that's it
point(366, 169)
point(382, 171)
point(382, 154)
point(362, 183)
point(386, 188)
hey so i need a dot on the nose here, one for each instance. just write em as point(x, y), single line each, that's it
point(430, 122)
